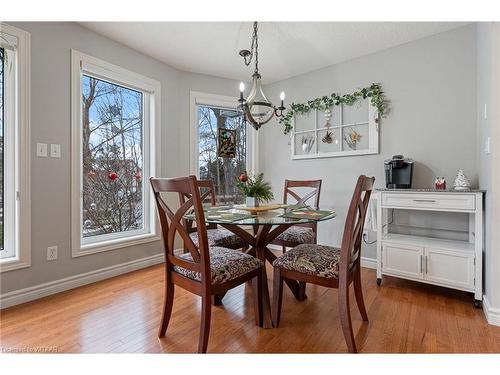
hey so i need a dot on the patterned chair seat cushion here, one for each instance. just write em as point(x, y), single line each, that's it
point(219, 237)
point(225, 265)
point(297, 235)
point(311, 259)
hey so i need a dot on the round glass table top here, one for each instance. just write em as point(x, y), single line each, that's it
point(280, 215)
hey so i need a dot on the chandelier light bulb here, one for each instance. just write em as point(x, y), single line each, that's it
point(282, 96)
point(242, 88)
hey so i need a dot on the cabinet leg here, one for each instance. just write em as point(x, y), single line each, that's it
point(379, 281)
point(478, 303)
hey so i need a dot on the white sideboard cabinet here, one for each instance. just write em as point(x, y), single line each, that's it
point(448, 263)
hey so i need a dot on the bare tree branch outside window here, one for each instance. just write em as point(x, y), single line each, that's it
point(112, 157)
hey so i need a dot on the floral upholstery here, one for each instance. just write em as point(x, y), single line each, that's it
point(311, 259)
point(225, 265)
point(219, 237)
point(297, 235)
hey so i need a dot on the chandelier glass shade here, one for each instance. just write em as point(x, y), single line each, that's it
point(258, 109)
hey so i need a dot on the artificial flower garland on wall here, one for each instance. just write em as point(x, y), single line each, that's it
point(374, 92)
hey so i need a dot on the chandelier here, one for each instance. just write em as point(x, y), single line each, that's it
point(256, 108)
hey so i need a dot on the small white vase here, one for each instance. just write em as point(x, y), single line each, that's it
point(252, 202)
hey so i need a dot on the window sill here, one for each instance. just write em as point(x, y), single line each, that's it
point(13, 264)
point(114, 244)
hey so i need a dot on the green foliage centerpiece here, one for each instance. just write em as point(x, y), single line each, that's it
point(255, 189)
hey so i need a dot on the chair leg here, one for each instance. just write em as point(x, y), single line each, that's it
point(277, 296)
point(358, 291)
point(257, 299)
point(206, 310)
point(345, 318)
point(302, 291)
point(167, 309)
point(217, 299)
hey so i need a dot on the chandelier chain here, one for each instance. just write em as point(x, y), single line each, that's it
point(254, 49)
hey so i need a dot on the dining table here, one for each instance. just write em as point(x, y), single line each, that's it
point(258, 229)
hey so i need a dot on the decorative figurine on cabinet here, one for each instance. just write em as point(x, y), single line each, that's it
point(440, 183)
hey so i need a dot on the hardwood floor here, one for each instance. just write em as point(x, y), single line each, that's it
point(122, 315)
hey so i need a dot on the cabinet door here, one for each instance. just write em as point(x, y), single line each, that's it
point(402, 260)
point(450, 268)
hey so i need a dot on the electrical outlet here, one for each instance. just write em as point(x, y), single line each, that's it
point(52, 253)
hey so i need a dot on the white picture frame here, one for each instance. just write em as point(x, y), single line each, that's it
point(372, 133)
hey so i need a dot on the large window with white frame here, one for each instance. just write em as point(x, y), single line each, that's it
point(15, 229)
point(223, 146)
point(115, 131)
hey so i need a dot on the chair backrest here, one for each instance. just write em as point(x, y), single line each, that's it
point(171, 223)
point(207, 194)
point(350, 253)
point(290, 185)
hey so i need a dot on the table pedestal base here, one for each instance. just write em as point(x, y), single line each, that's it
point(263, 235)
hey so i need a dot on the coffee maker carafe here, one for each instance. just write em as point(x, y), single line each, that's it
point(398, 172)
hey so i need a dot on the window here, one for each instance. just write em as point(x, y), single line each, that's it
point(15, 229)
point(344, 131)
point(115, 127)
point(222, 148)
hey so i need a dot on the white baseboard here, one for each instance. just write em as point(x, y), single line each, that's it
point(369, 263)
point(492, 314)
point(38, 291)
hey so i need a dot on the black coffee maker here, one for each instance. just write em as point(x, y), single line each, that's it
point(398, 172)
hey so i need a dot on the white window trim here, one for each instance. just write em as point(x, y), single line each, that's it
point(81, 62)
point(23, 150)
point(201, 98)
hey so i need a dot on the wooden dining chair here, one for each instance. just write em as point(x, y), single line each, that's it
point(216, 236)
point(204, 271)
point(300, 233)
point(329, 266)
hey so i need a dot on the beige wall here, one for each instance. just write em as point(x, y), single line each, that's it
point(431, 85)
point(50, 180)
point(494, 248)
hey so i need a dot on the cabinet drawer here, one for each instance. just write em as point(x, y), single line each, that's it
point(402, 260)
point(439, 201)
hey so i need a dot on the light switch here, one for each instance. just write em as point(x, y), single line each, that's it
point(55, 151)
point(487, 145)
point(41, 150)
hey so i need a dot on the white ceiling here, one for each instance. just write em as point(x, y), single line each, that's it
point(286, 49)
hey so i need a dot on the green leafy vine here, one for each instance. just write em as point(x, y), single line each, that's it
point(374, 92)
